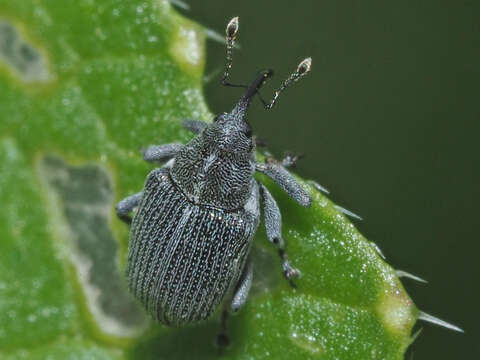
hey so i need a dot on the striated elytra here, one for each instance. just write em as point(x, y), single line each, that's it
point(197, 215)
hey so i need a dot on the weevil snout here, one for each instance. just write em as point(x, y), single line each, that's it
point(240, 110)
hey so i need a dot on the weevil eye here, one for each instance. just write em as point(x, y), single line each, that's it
point(218, 117)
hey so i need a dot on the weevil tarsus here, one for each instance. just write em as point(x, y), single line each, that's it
point(223, 340)
point(290, 160)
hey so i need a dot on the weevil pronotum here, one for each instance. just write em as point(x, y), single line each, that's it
point(196, 217)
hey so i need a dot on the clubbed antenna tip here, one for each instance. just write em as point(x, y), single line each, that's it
point(305, 66)
point(232, 28)
point(302, 69)
point(231, 32)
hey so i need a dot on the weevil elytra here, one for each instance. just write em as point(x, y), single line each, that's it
point(197, 215)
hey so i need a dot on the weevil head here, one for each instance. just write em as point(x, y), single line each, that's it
point(216, 167)
point(231, 132)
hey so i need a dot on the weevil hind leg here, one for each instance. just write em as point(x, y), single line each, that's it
point(285, 180)
point(195, 126)
point(237, 301)
point(273, 225)
point(125, 206)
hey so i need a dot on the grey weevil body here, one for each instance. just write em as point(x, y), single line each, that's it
point(197, 215)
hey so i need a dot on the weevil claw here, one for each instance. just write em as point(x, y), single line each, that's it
point(291, 273)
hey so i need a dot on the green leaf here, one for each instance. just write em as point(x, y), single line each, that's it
point(84, 85)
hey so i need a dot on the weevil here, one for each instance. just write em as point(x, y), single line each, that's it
point(197, 215)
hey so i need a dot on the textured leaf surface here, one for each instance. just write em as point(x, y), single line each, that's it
point(84, 85)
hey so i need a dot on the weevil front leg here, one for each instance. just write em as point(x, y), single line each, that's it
point(163, 152)
point(237, 301)
point(126, 205)
point(285, 180)
point(273, 225)
point(195, 126)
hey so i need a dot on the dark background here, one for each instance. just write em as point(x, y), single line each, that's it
point(388, 121)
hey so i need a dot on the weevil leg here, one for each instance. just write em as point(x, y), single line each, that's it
point(273, 225)
point(222, 340)
point(161, 152)
point(195, 126)
point(285, 180)
point(126, 205)
point(239, 298)
point(243, 288)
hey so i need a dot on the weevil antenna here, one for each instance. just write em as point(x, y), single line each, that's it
point(302, 69)
point(231, 34)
